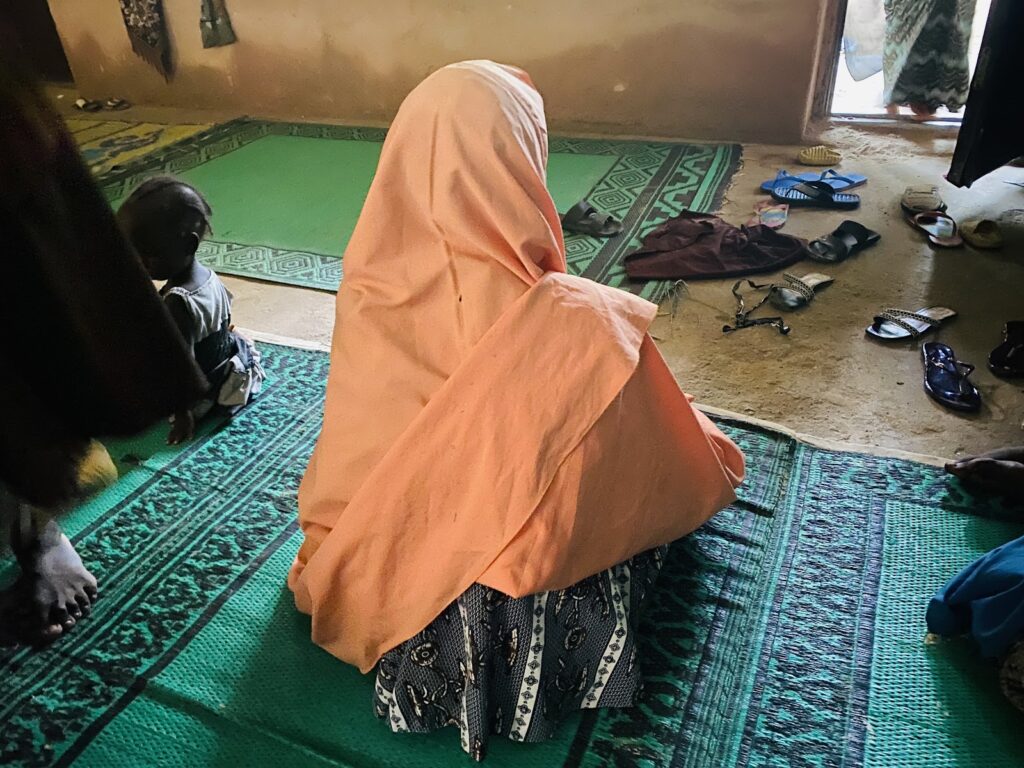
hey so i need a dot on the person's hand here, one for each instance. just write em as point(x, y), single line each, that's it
point(183, 428)
point(1001, 470)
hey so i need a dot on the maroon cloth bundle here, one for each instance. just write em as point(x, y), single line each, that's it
point(700, 245)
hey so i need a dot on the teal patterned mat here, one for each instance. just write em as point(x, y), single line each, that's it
point(318, 186)
point(788, 631)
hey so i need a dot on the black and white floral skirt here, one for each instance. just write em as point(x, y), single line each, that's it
point(516, 667)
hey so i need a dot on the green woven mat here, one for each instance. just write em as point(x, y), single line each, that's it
point(286, 196)
point(793, 638)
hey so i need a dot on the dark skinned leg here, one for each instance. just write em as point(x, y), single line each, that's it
point(54, 590)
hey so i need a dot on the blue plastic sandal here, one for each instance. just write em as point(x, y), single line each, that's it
point(785, 179)
point(815, 194)
point(945, 378)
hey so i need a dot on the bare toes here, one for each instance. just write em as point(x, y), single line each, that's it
point(84, 604)
point(60, 617)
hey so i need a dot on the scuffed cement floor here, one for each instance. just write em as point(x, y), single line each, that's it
point(824, 379)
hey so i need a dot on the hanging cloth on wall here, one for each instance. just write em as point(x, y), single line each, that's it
point(147, 30)
point(215, 24)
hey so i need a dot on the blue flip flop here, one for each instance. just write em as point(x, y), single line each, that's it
point(815, 194)
point(785, 179)
point(945, 378)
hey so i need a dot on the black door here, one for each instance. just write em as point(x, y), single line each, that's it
point(992, 133)
point(39, 48)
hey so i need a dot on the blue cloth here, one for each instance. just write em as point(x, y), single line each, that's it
point(985, 600)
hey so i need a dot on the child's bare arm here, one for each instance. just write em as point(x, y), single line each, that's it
point(184, 423)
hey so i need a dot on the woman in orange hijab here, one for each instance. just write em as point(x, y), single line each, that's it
point(504, 451)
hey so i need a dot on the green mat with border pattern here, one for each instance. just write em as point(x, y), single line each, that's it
point(108, 145)
point(788, 631)
point(286, 196)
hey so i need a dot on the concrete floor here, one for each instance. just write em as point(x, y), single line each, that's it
point(825, 379)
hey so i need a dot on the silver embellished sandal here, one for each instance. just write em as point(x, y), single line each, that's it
point(900, 325)
point(795, 292)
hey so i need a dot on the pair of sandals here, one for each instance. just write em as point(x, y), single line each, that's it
point(820, 190)
point(946, 378)
point(584, 219)
point(839, 182)
point(925, 211)
point(91, 105)
point(820, 193)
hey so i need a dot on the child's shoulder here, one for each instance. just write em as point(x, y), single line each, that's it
point(198, 280)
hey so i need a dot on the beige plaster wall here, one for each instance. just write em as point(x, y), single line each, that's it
point(716, 69)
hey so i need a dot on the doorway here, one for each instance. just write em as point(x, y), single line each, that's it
point(859, 81)
point(39, 43)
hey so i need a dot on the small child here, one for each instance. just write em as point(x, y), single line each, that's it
point(165, 219)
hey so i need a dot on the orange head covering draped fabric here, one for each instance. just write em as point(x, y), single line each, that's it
point(489, 418)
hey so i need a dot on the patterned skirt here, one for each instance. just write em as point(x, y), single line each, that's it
point(925, 59)
point(516, 667)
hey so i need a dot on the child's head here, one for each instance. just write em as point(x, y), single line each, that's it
point(165, 219)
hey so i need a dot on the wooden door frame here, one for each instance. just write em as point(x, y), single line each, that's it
point(833, 21)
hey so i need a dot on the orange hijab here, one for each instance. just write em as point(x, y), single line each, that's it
point(488, 418)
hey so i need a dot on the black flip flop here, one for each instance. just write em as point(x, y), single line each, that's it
point(945, 378)
point(1007, 360)
point(816, 194)
point(585, 219)
point(848, 238)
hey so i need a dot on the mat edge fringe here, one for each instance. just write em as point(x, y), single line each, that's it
point(824, 442)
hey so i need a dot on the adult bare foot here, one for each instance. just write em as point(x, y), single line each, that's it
point(55, 589)
point(1001, 471)
point(922, 112)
